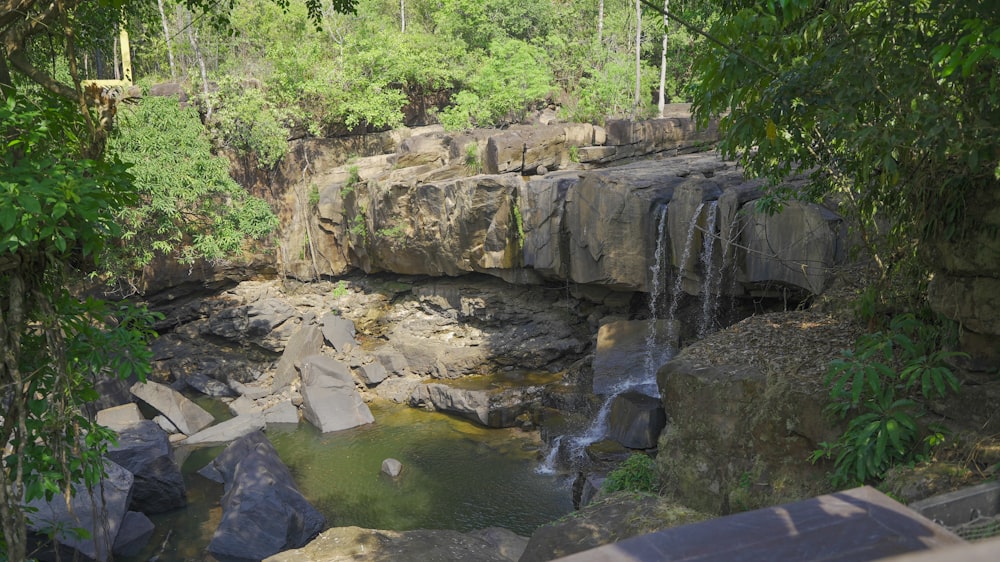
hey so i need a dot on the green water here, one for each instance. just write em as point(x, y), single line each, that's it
point(456, 475)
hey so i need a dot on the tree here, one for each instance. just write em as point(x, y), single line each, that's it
point(662, 101)
point(59, 196)
point(892, 108)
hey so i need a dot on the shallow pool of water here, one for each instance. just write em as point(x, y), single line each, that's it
point(456, 475)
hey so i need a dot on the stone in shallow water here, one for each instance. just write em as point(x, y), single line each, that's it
point(144, 450)
point(263, 512)
point(330, 402)
point(636, 420)
point(183, 413)
point(392, 467)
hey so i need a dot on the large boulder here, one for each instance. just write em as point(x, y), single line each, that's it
point(253, 322)
point(308, 340)
point(120, 417)
point(615, 518)
point(330, 401)
point(339, 332)
point(144, 450)
point(636, 420)
point(446, 227)
point(134, 534)
point(184, 414)
point(680, 134)
point(229, 430)
point(489, 407)
point(263, 512)
point(355, 543)
point(98, 512)
point(526, 149)
point(800, 246)
point(745, 410)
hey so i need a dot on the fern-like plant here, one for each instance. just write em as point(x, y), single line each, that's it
point(880, 387)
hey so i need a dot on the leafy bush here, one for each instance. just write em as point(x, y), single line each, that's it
point(880, 387)
point(188, 207)
point(636, 474)
point(502, 88)
point(246, 121)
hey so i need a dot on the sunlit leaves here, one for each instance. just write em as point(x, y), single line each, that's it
point(190, 208)
point(52, 201)
point(891, 107)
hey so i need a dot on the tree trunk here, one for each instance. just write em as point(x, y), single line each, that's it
point(638, 58)
point(166, 37)
point(663, 61)
point(402, 16)
point(12, 320)
point(115, 61)
point(600, 21)
point(193, 38)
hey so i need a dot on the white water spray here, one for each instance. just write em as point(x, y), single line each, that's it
point(711, 277)
point(675, 295)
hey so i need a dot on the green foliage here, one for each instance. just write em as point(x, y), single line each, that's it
point(472, 162)
point(339, 290)
point(57, 215)
point(636, 474)
point(313, 195)
point(244, 120)
point(189, 206)
point(519, 225)
point(353, 177)
point(574, 153)
point(359, 226)
point(51, 201)
point(394, 233)
point(892, 106)
point(502, 88)
point(880, 388)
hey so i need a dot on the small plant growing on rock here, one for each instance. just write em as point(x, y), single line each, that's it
point(472, 163)
point(636, 474)
point(574, 154)
point(881, 387)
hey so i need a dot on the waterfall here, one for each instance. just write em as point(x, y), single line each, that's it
point(548, 465)
point(646, 382)
point(711, 277)
point(656, 293)
point(675, 295)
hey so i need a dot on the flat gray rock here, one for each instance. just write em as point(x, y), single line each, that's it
point(120, 417)
point(228, 431)
point(187, 416)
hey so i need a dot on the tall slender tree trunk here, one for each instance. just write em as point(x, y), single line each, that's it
point(402, 16)
point(166, 37)
point(638, 58)
point(114, 57)
point(12, 323)
point(663, 61)
point(600, 21)
point(193, 38)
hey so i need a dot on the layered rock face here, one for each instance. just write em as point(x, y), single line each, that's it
point(966, 286)
point(559, 202)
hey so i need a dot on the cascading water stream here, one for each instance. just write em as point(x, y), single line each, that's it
point(655, 356)
point(656, 293)
point(711, 277)
point(548, 465)
point(675, 294)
